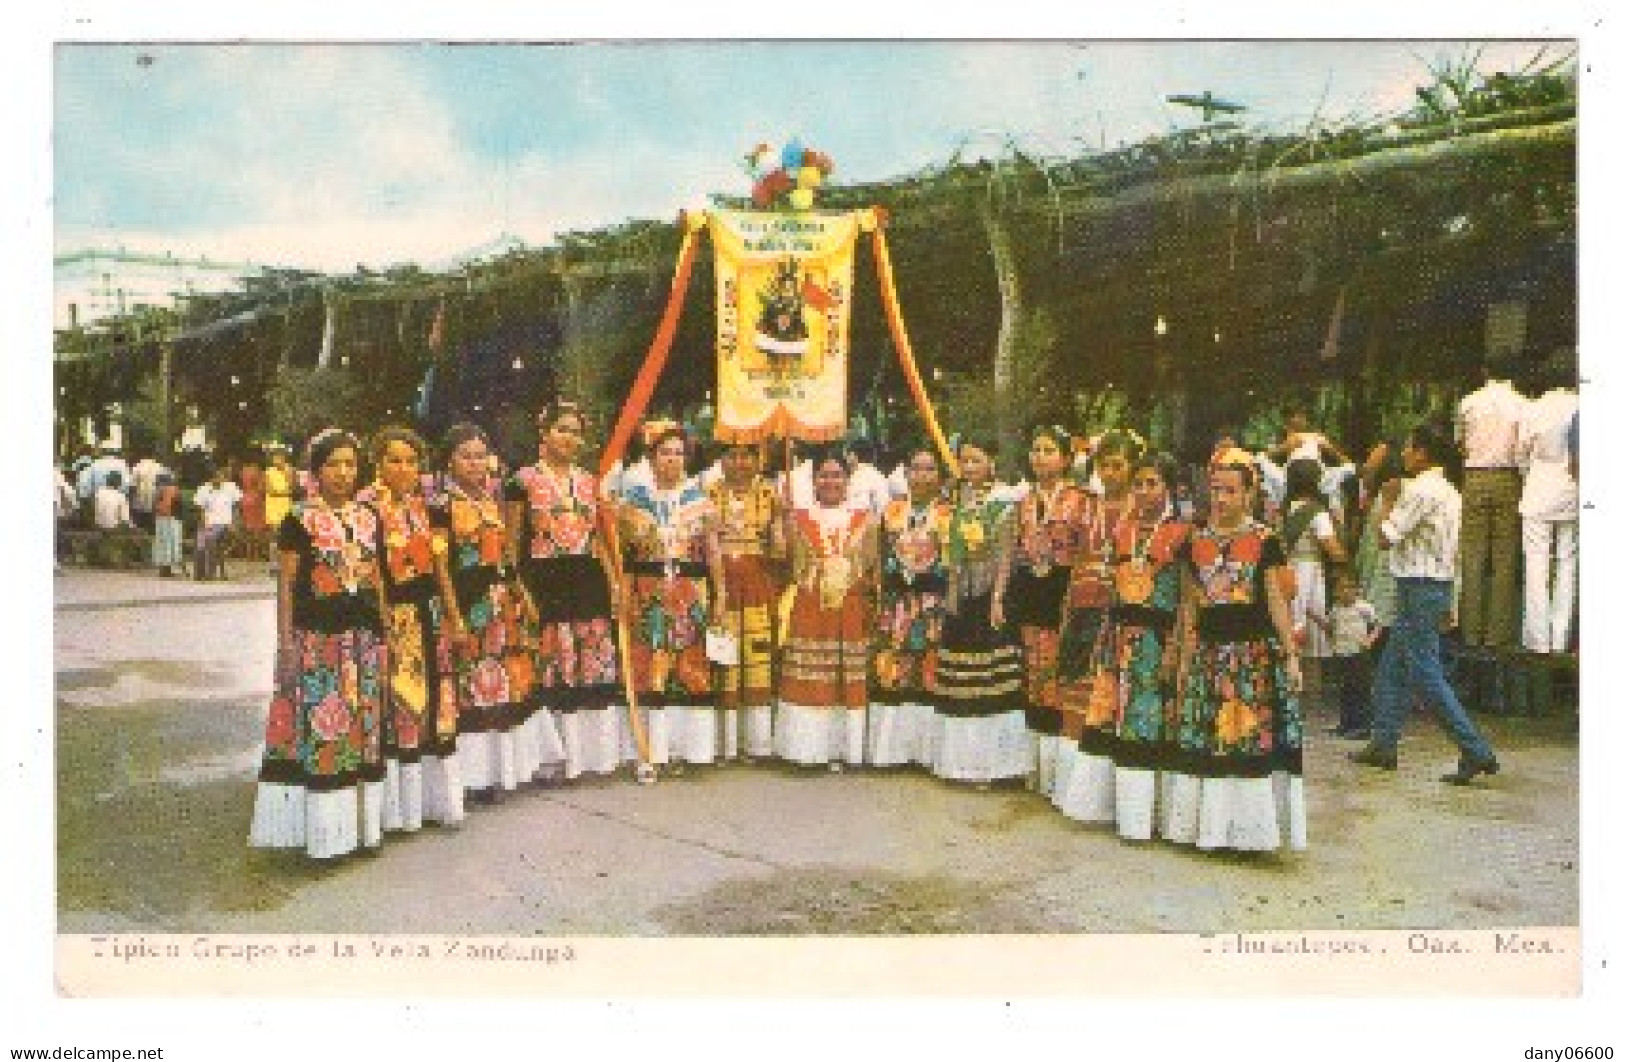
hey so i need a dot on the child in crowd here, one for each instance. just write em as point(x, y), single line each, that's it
point(1351, 627)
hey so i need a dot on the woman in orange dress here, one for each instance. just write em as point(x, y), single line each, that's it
point(823, 703)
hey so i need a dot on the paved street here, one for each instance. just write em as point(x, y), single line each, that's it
point(161, 691)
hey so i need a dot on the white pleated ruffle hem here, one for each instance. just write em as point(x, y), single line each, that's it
point(1246, 814)
point(899, 733)
point(1085, 786)
point(980, 748)
point(324, 824)
point(819, 735)
point(595, 740)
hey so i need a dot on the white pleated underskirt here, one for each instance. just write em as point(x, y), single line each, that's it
point(1085, 785)
point(980, 749)
point(1246, 814)
point(324, 824)
point(594, 740)
point(899, 733)
point(819, 735)
point(506, 759)
point(1046, 750)
point(747, 732)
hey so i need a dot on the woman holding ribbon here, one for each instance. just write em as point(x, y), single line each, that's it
point(824, 686)
point(674, 573)
point(553, 537)
point(913, 588)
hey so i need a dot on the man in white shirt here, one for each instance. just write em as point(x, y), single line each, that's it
point(95, 474)
point(1550, 508)
point(112, 507)
point(144, 490)
point(867, 487)
point(1487, 426)
point(218, 499)
point(1420, 533)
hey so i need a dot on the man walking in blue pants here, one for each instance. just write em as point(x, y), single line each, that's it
point(1420, 534)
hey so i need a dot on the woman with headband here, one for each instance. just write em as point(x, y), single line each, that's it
point(750, 533)
point(321, 781)
point(979, 730)
point(1049, 534)
point(913, 588)
point(422, 780)
point(553, 537)
point(1083, 766)
point(1238, 778)
point(674, 574)
point(823, 704)
point(1131, 694)
point(505, 736)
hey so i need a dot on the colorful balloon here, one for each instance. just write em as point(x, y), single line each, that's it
point(791, 158)
point(801, 198)
point(809, 177)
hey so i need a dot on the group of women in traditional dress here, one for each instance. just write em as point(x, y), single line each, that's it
point(1132, 668)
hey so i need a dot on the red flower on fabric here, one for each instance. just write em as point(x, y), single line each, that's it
point(495, 638)
point(1204, 551)
point(324, 582)
point(279, 724)
point(1248, 549)
point(331, 718)
point(326, 532)
point(489, 682)
point(407, 733)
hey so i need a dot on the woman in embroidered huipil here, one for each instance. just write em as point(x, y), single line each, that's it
point(750, 532)
point(1238, 782)
point(552, 519)
point(1131, 697)
point(506, 736)
point(979, 727)
point(913, 589)
point(422, 779)
point(321, 781)
point(1049, 534)
point(1083, 766)
point(673, 565)
point(824, 684)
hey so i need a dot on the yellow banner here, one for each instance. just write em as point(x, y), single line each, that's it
point(784, 308)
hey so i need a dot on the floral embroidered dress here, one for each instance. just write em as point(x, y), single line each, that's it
point(824, 683)
point(1237, 780)
point(979, 726)
point(420, 724)
point(1088, 595)
point(578, 675)
point(1129, 716)
point(321, 780)
point(504, 736)
point(665, 535)
point(908, 630)
point(748, 532)
point(1050, 529)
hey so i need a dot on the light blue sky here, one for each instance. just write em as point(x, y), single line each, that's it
point(328, 155)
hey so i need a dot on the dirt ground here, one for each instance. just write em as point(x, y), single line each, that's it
point(159, 710)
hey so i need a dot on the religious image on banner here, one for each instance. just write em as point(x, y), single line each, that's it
point(784, 300)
